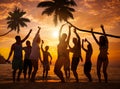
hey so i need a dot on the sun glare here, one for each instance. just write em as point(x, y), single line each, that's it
point(55, 34)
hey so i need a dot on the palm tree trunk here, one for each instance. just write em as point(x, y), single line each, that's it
point(6, 33)
point(93, 32)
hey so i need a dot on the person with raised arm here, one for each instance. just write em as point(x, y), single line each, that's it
point(62, 53)
point(35, 55)
point(46, 61)
point(17, 62)
point(88, 63)
point(27, 69)
point(76, 50)
point(103, 55)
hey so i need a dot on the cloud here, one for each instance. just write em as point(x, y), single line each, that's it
point(6, 7)
point(10, 5)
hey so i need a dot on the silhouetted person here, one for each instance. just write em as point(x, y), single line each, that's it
point(88, 63)
point(76, 50)
point(27, 61)
point(67, 66)
point(103, 55)
point(46, 61)
point(17, 62)
point(35, 55)
point(62, 54)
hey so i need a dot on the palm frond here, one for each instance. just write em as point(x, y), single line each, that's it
point(12, 26)
point(64, 14)
point(8, 18)
point(72, 2)
point(45, 4)
point(22, 24)
point(70, 9)
point(10, 14)
point(25, 20)
point(9, 22)
point(48, 11)
point(22, 13)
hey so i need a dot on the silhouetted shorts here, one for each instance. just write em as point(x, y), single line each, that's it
point(17, 64)
point(75, 62)
point(46, 66)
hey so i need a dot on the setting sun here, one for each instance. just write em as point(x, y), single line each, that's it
point(55, 34)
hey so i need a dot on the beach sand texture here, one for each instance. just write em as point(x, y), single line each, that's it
point(56, 85)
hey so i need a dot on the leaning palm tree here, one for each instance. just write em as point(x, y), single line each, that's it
point(62, 10)
point(15, 20)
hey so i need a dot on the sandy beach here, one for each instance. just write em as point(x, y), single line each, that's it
point(56, 85)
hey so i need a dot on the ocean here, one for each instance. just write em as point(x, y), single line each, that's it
point(113, 74)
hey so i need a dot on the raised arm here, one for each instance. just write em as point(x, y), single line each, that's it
point(76, 34)
point(42, 46)
point(87, 41)
point(69, 33)
point(37, 34)
point(83, 45)
point(60, 31)
point(102, 27)
point(27, 36)
point(94, 37)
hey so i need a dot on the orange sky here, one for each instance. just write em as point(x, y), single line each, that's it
point(89, 13)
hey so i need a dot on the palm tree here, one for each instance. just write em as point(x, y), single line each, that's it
point(62, 10)
point(15, 20)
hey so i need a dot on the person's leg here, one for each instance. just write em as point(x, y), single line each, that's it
point(57, 69)
point(30, 69)
point(35, 66)
point(20, 66)
point(75, 75)
point(25, 69)
point(105, 65)
point(43, 73)
point(47, 69)
point(75, 62)
point(88, 76)
point(67, 74)
point(67, 71)
point(59, 73)
point(99, 64)
point(67, 68)
point(46, 74)
point(19, 73)
point(87, 69)
point(14, 74)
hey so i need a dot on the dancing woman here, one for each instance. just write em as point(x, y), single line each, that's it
point(103, 55)
point(62, 53)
